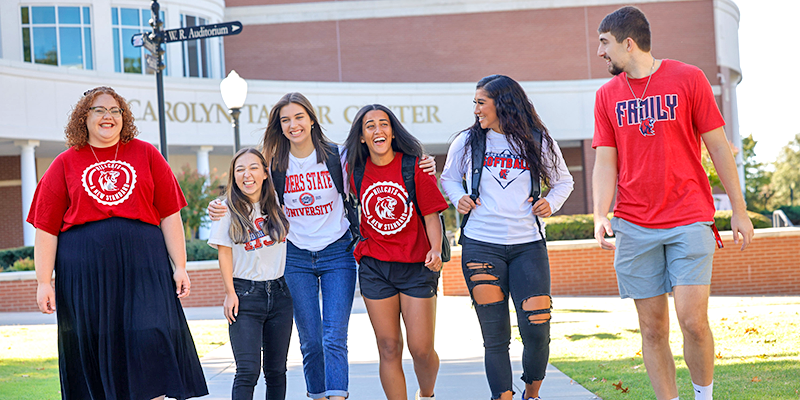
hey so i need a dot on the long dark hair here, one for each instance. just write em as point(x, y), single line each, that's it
point(241, 208)
point(276, 145)
point(357, 152)
point(518, 120)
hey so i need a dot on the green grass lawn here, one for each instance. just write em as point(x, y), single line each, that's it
point(29, 357)
point(757, 349)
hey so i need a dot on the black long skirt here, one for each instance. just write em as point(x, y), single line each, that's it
point(122, 333)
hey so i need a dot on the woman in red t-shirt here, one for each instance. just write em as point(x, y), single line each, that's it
point(107, 218)
point(400, 254)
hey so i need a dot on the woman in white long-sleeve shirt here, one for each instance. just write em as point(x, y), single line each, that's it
point(503, 251)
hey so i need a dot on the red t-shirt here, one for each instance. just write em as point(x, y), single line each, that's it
point(391, 229)
point(76, 189)
point(661, 182)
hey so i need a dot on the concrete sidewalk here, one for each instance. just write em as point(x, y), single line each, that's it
point(458, 343)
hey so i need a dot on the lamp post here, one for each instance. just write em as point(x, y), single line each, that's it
point(234, 93)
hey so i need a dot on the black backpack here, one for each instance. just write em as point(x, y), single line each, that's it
point(408, 168)
point(478, 157)
point(334, 164)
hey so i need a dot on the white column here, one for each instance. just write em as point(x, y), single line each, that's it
point(737, 137)
point(27, 161)
point(10, 31)
point(103, 41)
point(202, 160)
point(203, 169)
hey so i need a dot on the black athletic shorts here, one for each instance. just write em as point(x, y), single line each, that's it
point(383, 279)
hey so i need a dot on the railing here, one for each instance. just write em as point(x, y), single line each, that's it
point(779, 219)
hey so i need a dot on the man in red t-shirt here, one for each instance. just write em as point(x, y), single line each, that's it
point(649, 120)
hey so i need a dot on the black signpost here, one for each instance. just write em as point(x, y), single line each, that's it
point(152, 42)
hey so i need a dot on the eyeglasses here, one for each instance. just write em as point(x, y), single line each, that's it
point(101, 111)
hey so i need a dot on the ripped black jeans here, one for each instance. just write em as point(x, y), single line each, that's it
point(523, 271)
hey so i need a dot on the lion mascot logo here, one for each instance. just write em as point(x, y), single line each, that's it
point(385, 207)
point(108, 180)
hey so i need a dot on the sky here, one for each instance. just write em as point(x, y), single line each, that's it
point(769, 94)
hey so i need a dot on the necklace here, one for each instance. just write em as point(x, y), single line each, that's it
point(95, 154)
point(646, 124)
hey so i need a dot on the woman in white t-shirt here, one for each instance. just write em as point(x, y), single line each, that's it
point(319, 249)
point(503, 247)
point(251, 240)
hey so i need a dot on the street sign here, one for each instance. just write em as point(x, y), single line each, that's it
point(136, 40)
point(152, 42)
point(203, 31)
point(153, 62)
point(143, 39)
point(190, 33)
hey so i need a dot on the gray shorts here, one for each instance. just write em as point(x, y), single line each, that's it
point(650, 262)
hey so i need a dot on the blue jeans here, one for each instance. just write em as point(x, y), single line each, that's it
point(323, 341)
point(264, 323)
point(523, 272)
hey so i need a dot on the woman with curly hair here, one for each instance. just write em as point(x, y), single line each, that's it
point(107, 218)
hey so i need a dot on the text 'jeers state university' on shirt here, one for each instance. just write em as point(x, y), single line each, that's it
point(303, 183)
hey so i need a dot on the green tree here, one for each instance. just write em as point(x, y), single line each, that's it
point(786, 178)
point(757, 179)
point(708, 166)
point(199, 190)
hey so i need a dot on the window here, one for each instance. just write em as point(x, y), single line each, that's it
point(57, 35)
point(126, 22)
point(195, 52)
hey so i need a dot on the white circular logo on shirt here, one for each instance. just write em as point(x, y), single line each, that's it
point(386, 208)
point(109, 182)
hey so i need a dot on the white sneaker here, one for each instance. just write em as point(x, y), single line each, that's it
point(417, 397)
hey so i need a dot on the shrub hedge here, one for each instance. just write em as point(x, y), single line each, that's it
point(569, 227)
point(9, 256)
point(199, 250)
point(196, 250)
point(723, 220)
point(23, 264)
point(581, 226)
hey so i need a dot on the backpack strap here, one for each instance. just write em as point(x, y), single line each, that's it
point(279, 181)
point(358, 177)
point(536, 187)
point(334, 164)
point(478, 155)
point(408, 169)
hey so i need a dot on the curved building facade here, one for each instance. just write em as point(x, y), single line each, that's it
point(420, 58)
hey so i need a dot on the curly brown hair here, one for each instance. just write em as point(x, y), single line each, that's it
point(76, 132)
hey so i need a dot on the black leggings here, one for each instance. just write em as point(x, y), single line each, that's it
point(523, 271)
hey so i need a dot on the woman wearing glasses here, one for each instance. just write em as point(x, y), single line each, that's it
point(107, 218)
